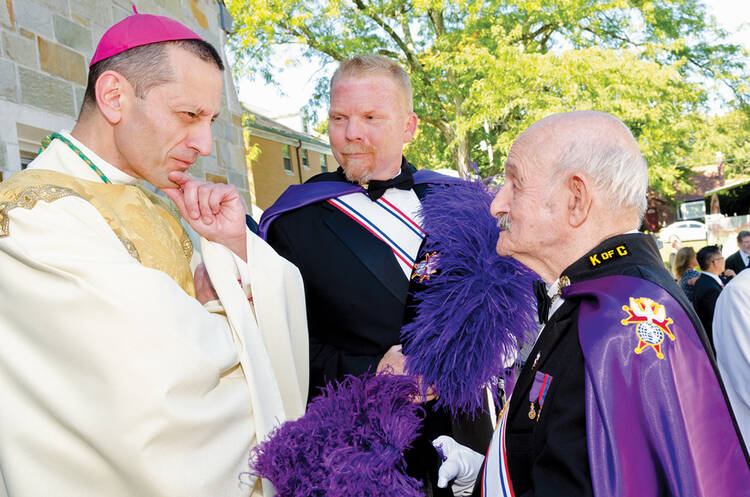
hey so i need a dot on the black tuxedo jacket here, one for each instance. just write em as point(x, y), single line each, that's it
point(705, 294)
point(734, 262)
point(355, 290)
point(356, 297)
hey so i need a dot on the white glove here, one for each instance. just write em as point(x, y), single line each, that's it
point(461, 465)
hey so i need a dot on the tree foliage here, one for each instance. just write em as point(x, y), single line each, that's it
point(483, 71)
point(728, 135)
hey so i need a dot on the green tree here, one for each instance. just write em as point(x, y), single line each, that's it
point(726, 135)
point(484, 71)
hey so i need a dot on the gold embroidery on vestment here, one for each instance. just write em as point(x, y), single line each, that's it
point(147, 229)
point(173, 212)
point(27, 199)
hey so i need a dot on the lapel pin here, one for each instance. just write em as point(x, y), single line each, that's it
point(536, 360)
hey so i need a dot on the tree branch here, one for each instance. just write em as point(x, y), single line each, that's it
point(546, 28)
point(311, 40)
point(410, 56)
point(443, 126)
point(690, 59)
point(438, 23)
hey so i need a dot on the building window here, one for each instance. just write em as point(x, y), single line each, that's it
point(287, 158)
point(305, 164)
point(323, 163)
point(29, 140)
point(26, 158)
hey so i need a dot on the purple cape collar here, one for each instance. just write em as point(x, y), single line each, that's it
point(297, 196)
point(656, 418)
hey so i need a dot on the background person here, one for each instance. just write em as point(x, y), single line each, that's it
point(708, 286)
point(684, 270)
point(739, 260)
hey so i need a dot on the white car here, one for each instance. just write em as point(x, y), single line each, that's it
point(682, 231)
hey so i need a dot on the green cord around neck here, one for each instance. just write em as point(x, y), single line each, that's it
point(58, 136)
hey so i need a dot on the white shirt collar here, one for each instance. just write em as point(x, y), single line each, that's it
point(115, 175)
point(556, 301)
point(744, 256)
point(554, 292)
point(716, 277)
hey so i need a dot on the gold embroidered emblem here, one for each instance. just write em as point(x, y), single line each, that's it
point(426, 268)
point(651, 322)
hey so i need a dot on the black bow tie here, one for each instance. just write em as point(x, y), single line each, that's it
point(543, 302)
point(376, 188)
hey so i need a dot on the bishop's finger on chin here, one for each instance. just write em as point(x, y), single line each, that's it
point(178, 178)
point(177, 196)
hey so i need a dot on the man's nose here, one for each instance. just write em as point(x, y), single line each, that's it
point(353, 130)
point(500, 203)
point(200, 138)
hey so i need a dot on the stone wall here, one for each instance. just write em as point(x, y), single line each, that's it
point(45, 49)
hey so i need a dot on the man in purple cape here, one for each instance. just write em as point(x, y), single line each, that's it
point(620, 395)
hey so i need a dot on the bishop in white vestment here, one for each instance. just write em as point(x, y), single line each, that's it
point(115, 380)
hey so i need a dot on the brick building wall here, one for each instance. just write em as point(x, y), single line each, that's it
point(45, 49)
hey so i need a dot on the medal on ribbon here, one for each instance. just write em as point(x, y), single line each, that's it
point(538, 394)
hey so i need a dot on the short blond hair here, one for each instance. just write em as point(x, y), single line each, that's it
point(370, 64)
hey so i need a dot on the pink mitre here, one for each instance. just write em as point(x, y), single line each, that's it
point(140, 29)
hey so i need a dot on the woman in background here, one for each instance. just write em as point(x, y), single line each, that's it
point(684, 270)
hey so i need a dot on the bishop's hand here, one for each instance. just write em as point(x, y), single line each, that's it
point(214, 211)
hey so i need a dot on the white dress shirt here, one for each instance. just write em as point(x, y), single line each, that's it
point(715, 277)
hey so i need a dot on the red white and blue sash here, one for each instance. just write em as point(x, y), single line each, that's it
point(392, 219)
point(496, 478)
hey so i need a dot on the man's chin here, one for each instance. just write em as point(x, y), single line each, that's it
point(502, 248)
point(358, 174)
point(163, 183)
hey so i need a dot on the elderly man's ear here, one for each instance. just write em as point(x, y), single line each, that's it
point(579, 199)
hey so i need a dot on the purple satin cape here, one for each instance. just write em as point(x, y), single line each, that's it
point(297, 196)
point(653, 425)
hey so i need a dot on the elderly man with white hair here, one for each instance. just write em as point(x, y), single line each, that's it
point(619, 395)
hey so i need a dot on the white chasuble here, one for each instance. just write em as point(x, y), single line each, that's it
point(114, 381)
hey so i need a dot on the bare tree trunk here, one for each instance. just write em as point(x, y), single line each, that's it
point(462, 156)
point(462, 137)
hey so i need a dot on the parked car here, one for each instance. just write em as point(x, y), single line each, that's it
point(683, 231)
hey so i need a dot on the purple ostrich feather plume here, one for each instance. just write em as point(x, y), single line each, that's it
point(477, 308)
point(350, 442)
